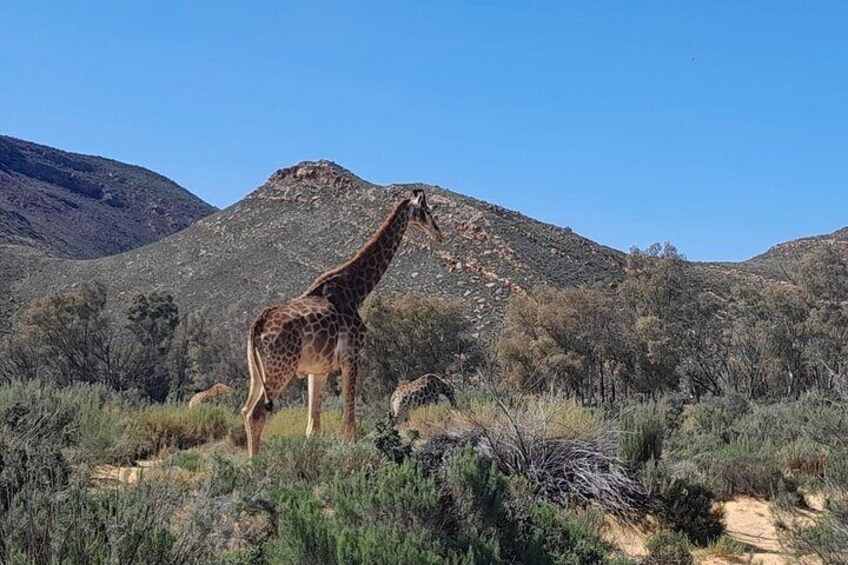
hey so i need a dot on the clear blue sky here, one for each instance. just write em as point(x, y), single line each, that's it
point(721, 126)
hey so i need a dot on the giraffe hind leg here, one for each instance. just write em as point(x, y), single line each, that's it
point(316, 397)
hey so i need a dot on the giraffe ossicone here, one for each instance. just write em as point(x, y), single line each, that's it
point(320, 331)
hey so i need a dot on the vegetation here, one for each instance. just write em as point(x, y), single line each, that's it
point(655, 397)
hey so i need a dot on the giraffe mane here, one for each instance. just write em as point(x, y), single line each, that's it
point(375, 237)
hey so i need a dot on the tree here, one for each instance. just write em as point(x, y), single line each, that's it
point(410, 335)
point(74, 338)
point(153, 320)
point(574, 340)
point(824, 275)
point(668, 313)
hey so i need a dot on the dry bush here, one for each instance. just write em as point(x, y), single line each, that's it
point(564, 455)
point(178, 427)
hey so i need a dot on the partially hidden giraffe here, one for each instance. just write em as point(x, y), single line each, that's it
point(424, 390)
point(211, 393)
point(320, 331)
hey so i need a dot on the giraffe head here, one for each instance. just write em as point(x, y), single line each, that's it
point(422, 216)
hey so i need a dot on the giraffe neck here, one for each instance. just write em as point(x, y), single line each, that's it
point(348, 285)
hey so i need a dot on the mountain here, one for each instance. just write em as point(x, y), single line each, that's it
point(781, 262)
point(83, 207)
point(310, 217)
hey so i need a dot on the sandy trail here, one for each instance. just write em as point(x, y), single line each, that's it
point(748, 520)
point(127, 475)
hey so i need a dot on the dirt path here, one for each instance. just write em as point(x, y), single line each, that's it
point(104, 475)
point(748, 520)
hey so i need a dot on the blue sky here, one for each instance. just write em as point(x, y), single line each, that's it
point(719, 126)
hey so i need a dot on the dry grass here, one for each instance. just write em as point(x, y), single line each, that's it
point(291, 422)
point(552, 417)
point(176, 427)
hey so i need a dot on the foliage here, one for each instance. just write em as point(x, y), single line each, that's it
point(410, 335)
point(176, 427)
point(387, 440)
point(642, 439)
point(669, 548)
point(571, 340)
point(828, 536)
point(688, 508)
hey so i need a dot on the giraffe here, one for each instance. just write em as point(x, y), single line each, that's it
point(212, 392)
point(320, 331)
point(422, 391)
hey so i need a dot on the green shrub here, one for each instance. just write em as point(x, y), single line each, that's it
point(828, 537)
point(688, 508)
point(669, 548)
point(100, 429)
point(396, 494)
point(642, 440)
point(565, 538)
point(188, 460)
point(354, 535)
point(47, 517)
point(758, 476)
point(387, 439)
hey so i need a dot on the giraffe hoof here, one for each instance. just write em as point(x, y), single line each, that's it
point(269, 406)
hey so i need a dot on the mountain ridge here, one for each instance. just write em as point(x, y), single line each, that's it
point(84, 206)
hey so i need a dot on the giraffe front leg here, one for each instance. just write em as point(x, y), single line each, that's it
point(350, 370)
point(316, 397)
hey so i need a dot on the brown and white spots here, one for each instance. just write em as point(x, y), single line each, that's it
point(212, 393)
point(320, 332)
point(424, 390)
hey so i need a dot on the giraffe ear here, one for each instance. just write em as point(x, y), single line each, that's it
point(418, 197)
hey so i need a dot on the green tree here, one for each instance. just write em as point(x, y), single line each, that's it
point(410, 335)
point(574, 340)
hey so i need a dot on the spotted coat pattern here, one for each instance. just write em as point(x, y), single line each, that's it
point(210, 394)
point(424, 390)
point(320, 332)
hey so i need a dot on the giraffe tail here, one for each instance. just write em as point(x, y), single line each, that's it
point(257, 368)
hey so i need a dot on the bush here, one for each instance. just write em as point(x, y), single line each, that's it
point(642, 440)
point(688, 508)
point(805, 459)
point(564, 537)
point(752, 476)
point(569, 471)
point(410, 335)
point(100, 427)
point(669, 548)
point(828, 537)
point(177, 427)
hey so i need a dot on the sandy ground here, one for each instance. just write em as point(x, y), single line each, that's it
point(749, 521)
point(112, 474)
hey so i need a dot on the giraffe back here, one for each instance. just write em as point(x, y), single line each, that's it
point(213, 392)
point(422, 391)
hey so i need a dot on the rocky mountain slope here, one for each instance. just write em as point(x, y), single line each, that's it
point(782, 261)
point(312, 216)
point(80, 206)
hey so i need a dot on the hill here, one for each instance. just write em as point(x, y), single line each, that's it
point(80, 206)
point(313, 216)
point(782, 261)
